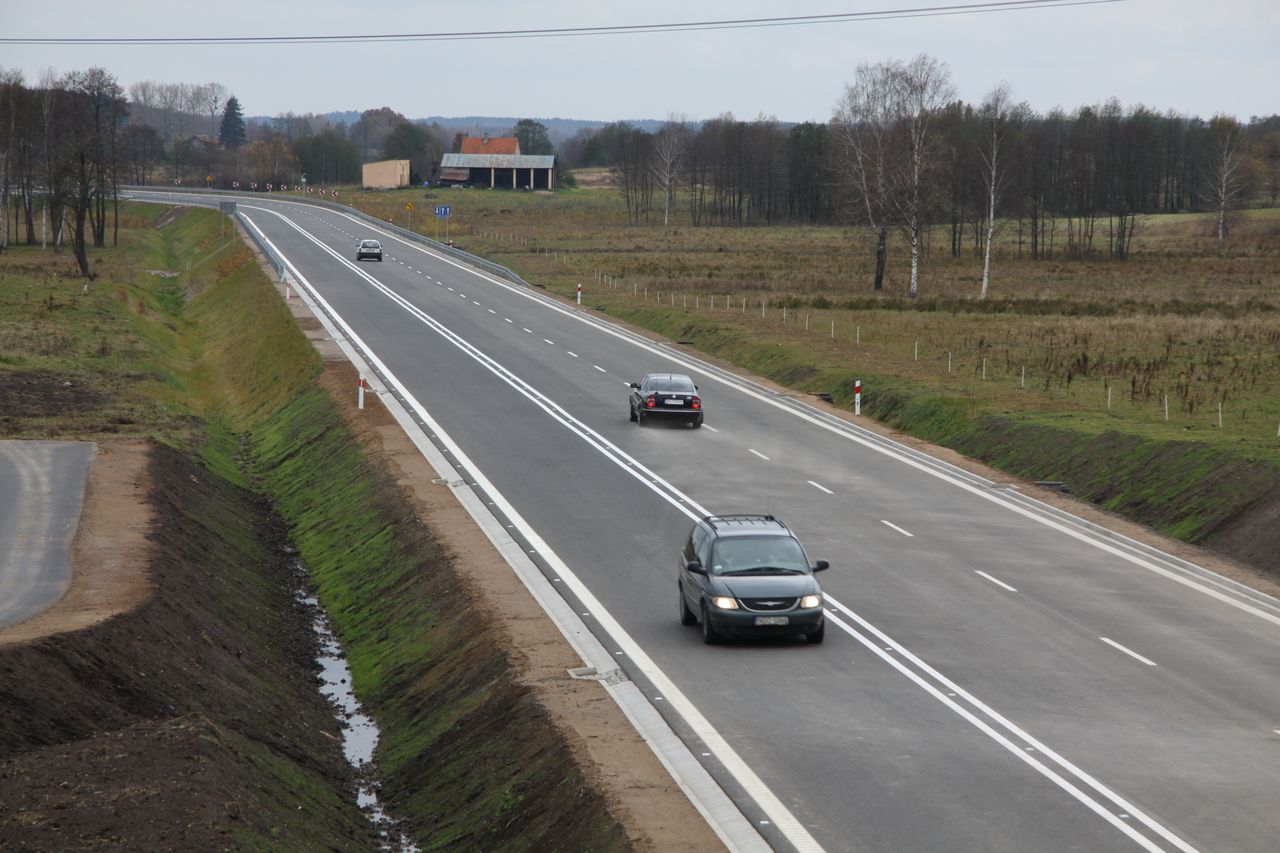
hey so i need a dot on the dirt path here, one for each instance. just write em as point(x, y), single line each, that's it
point(110, 553)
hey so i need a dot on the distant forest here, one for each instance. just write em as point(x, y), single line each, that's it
point(899, 153)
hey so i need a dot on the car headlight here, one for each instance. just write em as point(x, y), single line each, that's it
point(725, 602)
point(811, 601)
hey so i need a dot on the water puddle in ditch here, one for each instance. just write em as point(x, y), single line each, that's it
point(359, 731)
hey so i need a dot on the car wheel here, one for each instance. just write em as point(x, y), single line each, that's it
point(710, 635)
point(631, 413)
point(696, 423)
point(686, 615)
point(817, 636)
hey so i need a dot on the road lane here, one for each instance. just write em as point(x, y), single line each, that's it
point(41, 492)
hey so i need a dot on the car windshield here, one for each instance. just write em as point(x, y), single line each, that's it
point(370, 244)
point(758, 555)
point(672, 385)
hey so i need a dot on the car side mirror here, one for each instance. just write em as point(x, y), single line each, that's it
point(694, 567)
point(821, 565)
point(635, 385)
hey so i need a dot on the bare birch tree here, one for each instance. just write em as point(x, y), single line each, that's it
point(997, 110)
point(212, 97)
point(668, 153)
point(1226, 151)
point(922, 88)
point(10, 98)
point(864, 124)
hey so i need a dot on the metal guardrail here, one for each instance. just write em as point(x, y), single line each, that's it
point(435, 245)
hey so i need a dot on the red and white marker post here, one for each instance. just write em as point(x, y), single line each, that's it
point(857, 396)
point(579, 293)
point(360, 394)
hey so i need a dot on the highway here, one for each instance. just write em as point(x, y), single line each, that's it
point(997, 675)
point(41, 492)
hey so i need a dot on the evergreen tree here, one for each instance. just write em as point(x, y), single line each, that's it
point(232, 133)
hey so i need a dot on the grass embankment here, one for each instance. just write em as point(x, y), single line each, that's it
point(211, 366)
point(1063, 374)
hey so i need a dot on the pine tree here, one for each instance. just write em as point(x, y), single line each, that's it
point(232, 135)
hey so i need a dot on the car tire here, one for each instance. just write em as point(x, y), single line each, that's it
point(631, 413)
point(817, 636)
point(686, 615)
point(696, 423)
point(710, 635)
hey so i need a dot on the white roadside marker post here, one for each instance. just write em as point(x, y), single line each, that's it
point(360, 395)
point(857, 397)
point(579, 293)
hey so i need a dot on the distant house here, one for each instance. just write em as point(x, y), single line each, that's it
point(497, 162)
point(198, 140)
point(386, 175)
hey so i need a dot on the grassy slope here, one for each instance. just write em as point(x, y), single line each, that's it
point(468, 758)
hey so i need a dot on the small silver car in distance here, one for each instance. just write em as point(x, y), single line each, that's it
point(369, 249)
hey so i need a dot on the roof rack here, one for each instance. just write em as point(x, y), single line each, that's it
point(740, 518)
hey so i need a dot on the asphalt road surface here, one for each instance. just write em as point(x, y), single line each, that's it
point(41, 491)
point(997, 675)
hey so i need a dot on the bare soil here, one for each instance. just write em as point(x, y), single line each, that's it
point(175, 707)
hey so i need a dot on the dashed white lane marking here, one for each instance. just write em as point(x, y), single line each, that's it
point(451, 290)
point(599, 368)
point(544, 340)
point(572, 353)
point(530, 331)
point(820, 487)
point(491, 311)
point(473, 302)
point(995, 581)
point(896, 527)
point(758, 453)
point(707, 426)
point(1129, 652)
point(508, 319)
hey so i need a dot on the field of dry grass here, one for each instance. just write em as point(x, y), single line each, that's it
point(1097, 343)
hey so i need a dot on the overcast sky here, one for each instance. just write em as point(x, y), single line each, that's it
point(1196, 56)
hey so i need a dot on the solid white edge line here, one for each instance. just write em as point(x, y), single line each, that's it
point(820, 487)
point(1045, 750)
point(780, 815)
point(1040, 767)
point(896, 527)
point(1130, 652)
point(995, 581)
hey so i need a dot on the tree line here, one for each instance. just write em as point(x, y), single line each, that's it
point(901, 153)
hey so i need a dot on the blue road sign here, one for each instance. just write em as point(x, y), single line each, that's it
point(443, 210)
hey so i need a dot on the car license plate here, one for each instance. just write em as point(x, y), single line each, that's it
point(773, 620)
point(673, 402)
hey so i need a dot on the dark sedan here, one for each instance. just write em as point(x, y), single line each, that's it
point(668, 396)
